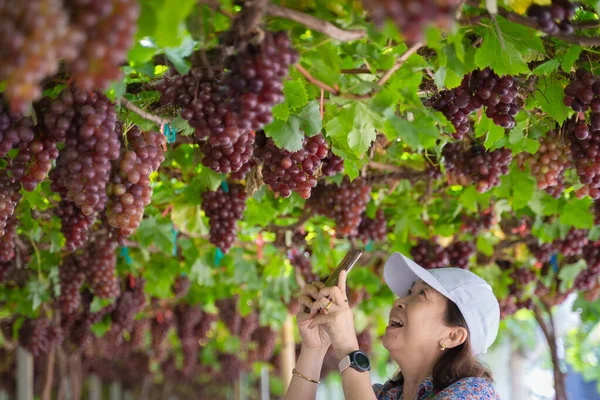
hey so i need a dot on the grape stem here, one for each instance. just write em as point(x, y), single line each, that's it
point(144, 114)
point(315, 24)
point(399, 62)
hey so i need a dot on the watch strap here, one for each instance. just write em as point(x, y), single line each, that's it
point(344, 364)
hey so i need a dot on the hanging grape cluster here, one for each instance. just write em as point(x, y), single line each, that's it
point(224, 209)
point(40, 336)
point(555, 17)
point(476, 165)
point(9, 198)
point(344, 204)
point(301, 261)
point(459, 254)
point(332, 164)
point(549, 164)
point(72, 276)
point(7, 241)
point(286, 171)
point(229, 314)
point(127, 306)
point(75, 225)
point(474, 224)
point(15, 129)
point(573, 243)
point(477, 89)
point(101, 274)
point(187, 317)
point(129, 189)
point(373, 228)
point(229, 158)
point(430, 254)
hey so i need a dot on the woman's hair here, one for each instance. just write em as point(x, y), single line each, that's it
point(455, 363)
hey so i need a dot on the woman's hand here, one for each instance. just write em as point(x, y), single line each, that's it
point(312, 337)
point(336, 318)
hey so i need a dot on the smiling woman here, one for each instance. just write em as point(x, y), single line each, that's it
point(443, 319)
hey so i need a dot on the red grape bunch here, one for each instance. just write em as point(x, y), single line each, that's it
point(459, 254)
point(159, 329)
point(34, 160)
point(301, 261)
point(7, 241)
point(101, 274)
point(585, 152)
point(413, 16)
point(285, 171)
point(332, 164)
point(127, 306)
point(181, 286)
point(476, 165)
point(549, 164)
point(187, 317)
point(573, 243)
point(9, 198)
point(109, 27)
point(474, 224)
point(554, 18)
point(39, 336)
point(344, 204)
point(430, 254)
point(248, 326)
point(36, 35)
point(229, 314)
point(75, 225)
point(265, 339)
point(229, 158)
point(84, 165)
point(224, 209)
point(456, 104)
point(542, 252)
point(72, 276)
point(15, 129)
point(373, 228)
point(129, 189)
point(588, 278)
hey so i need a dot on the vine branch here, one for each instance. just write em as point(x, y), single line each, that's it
point(399, 62)
point(144, 114)
point(316, 24)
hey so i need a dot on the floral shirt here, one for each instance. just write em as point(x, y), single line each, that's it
point(464, 389)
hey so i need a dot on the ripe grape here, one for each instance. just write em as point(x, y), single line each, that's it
point(15, 129)
point(187, 317)
point(301, 260)
point(373, 228)
point(109, 27)
point(229, 158)
point(129, 189)
point(332, 164)
point(9, 198)
point(586, 156)
point(429, 254)
point(84, 164)
point(72, 275)
point(75, 225)
point(248, 326)
point(476, 165)
point(459, 254)
point(229, 314)
point(127, 306)
point(265, 339)
point(573, 243)
point(181, 286)
point(542, 252)
point(477, 223)
point(204, 326)
point(36, 36)
point(286, 171)
point(554, 18)
point(345, 204)
point(34, 160)
point(159, 328)
point(7, 241)
point(224, 210)
point(101, 274)
point(39, 336)
point(365, 341)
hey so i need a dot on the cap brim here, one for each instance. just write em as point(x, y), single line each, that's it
point(400, 273)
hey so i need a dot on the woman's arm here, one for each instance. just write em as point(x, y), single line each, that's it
point(357, 385)
point(309, 364)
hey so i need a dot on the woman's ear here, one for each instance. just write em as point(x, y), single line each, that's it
point(457, 336)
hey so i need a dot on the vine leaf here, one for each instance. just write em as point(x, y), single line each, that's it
point(357, 123)
point(295, 93)
point(577, 214)
point(549, 96)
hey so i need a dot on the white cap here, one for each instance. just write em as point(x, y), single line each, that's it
point(473, 295)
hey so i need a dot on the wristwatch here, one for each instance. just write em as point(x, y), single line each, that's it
point(357, 360)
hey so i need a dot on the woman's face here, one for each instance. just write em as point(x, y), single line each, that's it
point(416, 324)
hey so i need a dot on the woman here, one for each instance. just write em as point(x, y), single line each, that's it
point(442, 320)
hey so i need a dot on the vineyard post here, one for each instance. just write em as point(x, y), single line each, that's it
point(24, 374)
point(115, 391)
point(49, 376)
point(550, 334)
point(95, 387)
point(265, 390)
point(243, 385)
point(3, 394)
point(288, 351)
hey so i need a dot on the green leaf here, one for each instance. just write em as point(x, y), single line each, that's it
point(295, 93)
point(358, 124)
point(420, 133)
point(568, 273)
point(310, 118)
point(286, 134)
point(468, 198)
point(518, 142)
point(201, 273)
point(485, 245)
point(188, 219)
point(281, 111)
point(576, 213)
point(170, 18)
point(494, 134)
point(181, 126)
point(571, 55)
point(549, 95)
point(547, 67)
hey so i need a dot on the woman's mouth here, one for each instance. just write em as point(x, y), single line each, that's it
point(396, 322)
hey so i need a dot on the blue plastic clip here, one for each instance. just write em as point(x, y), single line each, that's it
point(125, 255)
point(170, 133)
point(369, 246)
point(218, 257)
point(225, 186)
point(174, 239)
point(554, 263)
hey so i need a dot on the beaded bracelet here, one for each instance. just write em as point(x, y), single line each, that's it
point(304, 377)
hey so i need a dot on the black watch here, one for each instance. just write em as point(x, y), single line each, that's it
point(357, 360)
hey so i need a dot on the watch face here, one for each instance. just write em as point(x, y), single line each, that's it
point(362, 360)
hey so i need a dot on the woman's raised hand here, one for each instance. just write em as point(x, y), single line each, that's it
point(312, 337)
point(331, 312)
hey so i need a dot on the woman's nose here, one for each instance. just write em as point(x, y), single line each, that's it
point(400, 303)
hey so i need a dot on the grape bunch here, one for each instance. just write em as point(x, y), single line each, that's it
point(586, 280)
point(289, 239)
point(475, 164)
point(127, 306)
point(39, 336)
point(542, 252)
point(15, 129)
point(229, 313)
point(229, 158)
point(129, 189)
point(459, 254)
point(413, 16)
point(84, 165)
point(204, 326)
point(365, 341)
point(549, 164)
point(181, 286)
point(159, 329)
point(586, 155)
point(101, 274)
point(7, 241)
point(248, 326)
point(573, 243)
point(554, 18)
point(231, 367)
point(34, 160)
point(187, 317)
point(477, 89)
point(75, 225)
point(265, 339)
point(521, 278)
point(373, 228)
point(224, 209)
point(71, 275)
point(109, 27)
point(9, 198)
point(36, 35)
point(331, 164)
point(344, 204)
point(301, 261)
point(430, 254)
point(286, 171)
point(591, 254)
point(477, 223)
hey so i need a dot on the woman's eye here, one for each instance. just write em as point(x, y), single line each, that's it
point(422, 292)
point(409, 292)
